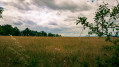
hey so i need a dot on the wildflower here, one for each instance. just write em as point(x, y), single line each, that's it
point(57, 49)
point(64, 61)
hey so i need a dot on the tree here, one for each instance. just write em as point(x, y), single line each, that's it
point(105, 25)
point(7, 30)
point(16, 31)
point(43, 33)
point(33, 33)
point(26, 32)
point(51, 35)
point(57, 35)
point(1, 10)
point(39, 34)
point(1, 30)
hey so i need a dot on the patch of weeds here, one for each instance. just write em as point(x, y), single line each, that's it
point(33, 62)
point(107, 47)
point(15, 61)
point(99, 62)
point(113, 59)
point(116, 41)
point(84, 64)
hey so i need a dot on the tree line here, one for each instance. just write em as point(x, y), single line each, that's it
point(7, 30)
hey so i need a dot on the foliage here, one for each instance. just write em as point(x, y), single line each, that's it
point(16, 31)
point(43, 33)
point(33, 62)
point(1, 11)
point(104, 22)
point(9, 30)
point(50, 34)
point(105, 25)
point(54, 35)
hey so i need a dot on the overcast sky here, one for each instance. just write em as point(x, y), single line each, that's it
point(55, 16)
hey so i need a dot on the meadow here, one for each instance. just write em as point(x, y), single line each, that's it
point(23, 51)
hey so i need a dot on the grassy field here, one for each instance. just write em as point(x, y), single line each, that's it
point(51, 51)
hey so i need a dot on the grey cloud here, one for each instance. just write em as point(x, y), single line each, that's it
point(18, 23)
point(20, 4)
point(30, 22)
point(51, 30)
point(84, 8)
point(23, 5)
point(70, 18)
point(52, 5)
point(52, 23)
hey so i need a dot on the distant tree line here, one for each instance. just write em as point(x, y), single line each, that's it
point(6, 30)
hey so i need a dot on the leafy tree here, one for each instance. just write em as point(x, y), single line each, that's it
point(7, 30)
point(1, 11)
point(51, 35)
point(105, 25)
point(26, 32)
point(57, 35)
point(1, 30)
point(16, 31)
point(39, 34)
point(104, 22)
point(33, 33)
point(43, 33)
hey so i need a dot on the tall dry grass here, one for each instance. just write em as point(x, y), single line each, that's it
point(51, 51)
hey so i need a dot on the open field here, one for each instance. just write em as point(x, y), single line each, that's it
point(51, 51)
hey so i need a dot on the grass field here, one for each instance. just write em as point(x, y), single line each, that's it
point(51, 51)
